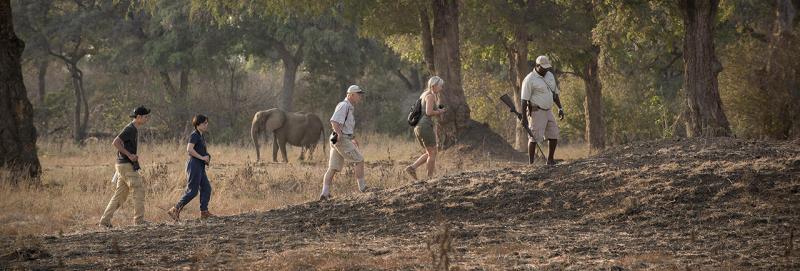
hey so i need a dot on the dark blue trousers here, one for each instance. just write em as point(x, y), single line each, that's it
point(198, 183)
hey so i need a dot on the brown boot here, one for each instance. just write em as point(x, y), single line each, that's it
point(412, 172)
point(175, 214)
point(206, 215)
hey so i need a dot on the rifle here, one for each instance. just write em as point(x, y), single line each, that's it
point(507, 100)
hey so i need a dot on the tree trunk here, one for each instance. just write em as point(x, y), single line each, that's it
point(448, 66)
point(427, 40)
point(85, 100)
point(289, 74)
point(167, 82)
point(76, 112)
point(782, 70)
point(593, 105)
point(518, 61)
point(233, 94)
point(81, 110)
point(17, 133)
point(183, 92)
point(701, 67)
point(415, 80)
point(184, 113)
point(412, 81)
point(42, 78)
point(178, 99)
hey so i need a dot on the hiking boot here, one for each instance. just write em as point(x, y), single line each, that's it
point(207, 215)
point(412, 172)
point(324, 197)
point(362, 186)
point(175, 214)
point(105, 225)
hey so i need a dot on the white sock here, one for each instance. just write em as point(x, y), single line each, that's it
point(362, 184)
point(326, 185)
point(326, 189)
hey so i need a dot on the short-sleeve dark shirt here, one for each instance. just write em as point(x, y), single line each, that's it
point(199, 144)
point(129, 141)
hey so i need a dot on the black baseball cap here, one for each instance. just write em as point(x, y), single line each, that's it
point(140, 111)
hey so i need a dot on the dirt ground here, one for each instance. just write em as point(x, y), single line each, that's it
point(688, 204)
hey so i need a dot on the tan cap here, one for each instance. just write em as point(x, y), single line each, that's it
point(544, 62)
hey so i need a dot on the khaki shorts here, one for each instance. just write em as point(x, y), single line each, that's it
point(543, 125)
point(343, 150)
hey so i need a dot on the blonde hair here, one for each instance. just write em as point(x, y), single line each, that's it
point(434, 81)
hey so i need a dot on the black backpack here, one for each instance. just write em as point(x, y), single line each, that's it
point(415, 114)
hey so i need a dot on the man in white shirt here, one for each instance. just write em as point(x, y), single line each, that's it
point(345, 147)
point(539, 94)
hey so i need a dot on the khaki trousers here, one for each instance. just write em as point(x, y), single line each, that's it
point(129, 182)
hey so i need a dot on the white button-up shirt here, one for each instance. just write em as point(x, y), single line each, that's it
point(539, 90)
point(344, 116)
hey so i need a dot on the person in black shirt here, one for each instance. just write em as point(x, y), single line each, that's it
point(127, 166)
point(196, 171)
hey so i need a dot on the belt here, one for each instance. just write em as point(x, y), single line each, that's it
point(539, 108)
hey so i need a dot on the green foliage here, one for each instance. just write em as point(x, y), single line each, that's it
point(234, 51)
point(483, 90)
point(407, 46)
point(639, 115)
point(756, 106)
point(573, 94)
point(54, 110)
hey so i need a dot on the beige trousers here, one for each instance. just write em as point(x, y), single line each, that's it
point(129, 182)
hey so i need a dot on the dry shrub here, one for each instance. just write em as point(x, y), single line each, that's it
point(75, 185)
point(336, 255)
point(26, 248)
point(440, 245)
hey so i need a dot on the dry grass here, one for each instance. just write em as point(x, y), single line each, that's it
point(76, 182)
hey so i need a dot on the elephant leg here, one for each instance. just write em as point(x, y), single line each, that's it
point(275, 149)
point(283, 152)
point(302, 153)
point(282, 144)
point(311, 152)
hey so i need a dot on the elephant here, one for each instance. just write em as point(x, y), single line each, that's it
point(300, 129)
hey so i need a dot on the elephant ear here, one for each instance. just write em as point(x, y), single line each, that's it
point(275, 119)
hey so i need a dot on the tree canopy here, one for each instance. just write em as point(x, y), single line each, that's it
point(622, 65)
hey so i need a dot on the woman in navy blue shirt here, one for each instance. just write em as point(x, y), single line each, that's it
point(196, 171)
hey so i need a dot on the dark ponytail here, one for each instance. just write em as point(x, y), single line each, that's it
point(197, 120)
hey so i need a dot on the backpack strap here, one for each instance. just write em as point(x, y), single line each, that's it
point(425, 96)
point(550, 88)
point(346, 113)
